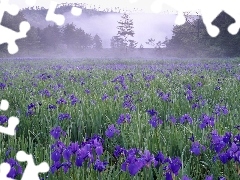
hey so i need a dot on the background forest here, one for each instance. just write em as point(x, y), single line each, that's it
point(188, 40)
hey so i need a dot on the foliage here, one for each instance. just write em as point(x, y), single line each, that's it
point(192, 39)
point(182, 116)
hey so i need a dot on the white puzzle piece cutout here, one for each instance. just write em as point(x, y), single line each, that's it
point(209, 11)
point(12, 124)
point(76, 11)
point(8, 35)
point(133, 1)
point(12, 121)
point(6, 7)
point(59, 19)
point(51, 16)
point(4, 170)
point(30, 2)
point(4, 105)
point(31, 171)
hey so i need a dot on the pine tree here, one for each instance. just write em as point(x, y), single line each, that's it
point(125, 32)
point(97, 42)
point(117, 43)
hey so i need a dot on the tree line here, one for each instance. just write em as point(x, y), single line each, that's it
point(52, 38)
point(192, 39)
point(188, 40)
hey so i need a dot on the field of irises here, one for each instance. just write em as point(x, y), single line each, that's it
point(124, 119)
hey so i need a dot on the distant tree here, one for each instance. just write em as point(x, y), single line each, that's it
point(50, 37)
point(141, 48)
point(156, 45)
point(88, 43)
point(11, 22)
point(32, 41)
point(117, 43)
point(192, 39)
point(151, 42)
point(69, 36)
point(97, 42)
point(80, 38)
point(132, 44)
point(125, 32)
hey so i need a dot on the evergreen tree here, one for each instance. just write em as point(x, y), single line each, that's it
point(69, 36)
point(125, 32)
point(117, 43)
point(50, 37)
point(97, 42)
point(32, 41)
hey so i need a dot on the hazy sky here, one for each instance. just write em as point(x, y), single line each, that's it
point(145, 5)
point(146, 25)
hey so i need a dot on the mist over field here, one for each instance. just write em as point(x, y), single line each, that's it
point(146, 26)
point(96, 34)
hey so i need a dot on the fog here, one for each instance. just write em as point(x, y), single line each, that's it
point(146, 26)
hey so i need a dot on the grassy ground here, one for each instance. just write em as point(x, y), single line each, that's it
point(99, 104)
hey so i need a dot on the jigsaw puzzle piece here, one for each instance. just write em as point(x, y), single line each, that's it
point(9, 36)
point(157, 8)
point(210, 13)
point(231, 7)
point(6, 7)
point(30, 2)
point(4, 105)
point(58, 18)
point(10, 130)
point(180, 6)
point(31, 169)
point(133, 1)
point(76, 11)
point(4, 170)
point(51, 16)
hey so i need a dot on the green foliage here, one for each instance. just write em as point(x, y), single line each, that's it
point(90, 118)
point(52, 38)
point(192, 39)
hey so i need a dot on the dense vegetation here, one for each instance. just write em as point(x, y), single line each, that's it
point(192, 39)
point(51, 38)
point(121, 120)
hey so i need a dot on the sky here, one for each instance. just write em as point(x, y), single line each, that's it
point(144, 5)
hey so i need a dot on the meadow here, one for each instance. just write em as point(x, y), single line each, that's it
point(124, 119)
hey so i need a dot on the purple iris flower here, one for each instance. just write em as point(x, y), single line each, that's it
point(104, 97)
point(99, 165)
point(206, 121)
point(186, 117)
point(155, 121)
point(63, 116)
point(152, 112)
point(209, 177)
point(51, 107)
point(57, 132)
point(61, 101)
point(111, 131)
point(15, 170)
point(3, 119)
point(196, 148)
point(124, 118)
